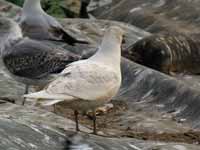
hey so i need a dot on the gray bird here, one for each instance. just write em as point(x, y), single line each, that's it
point(90, 83)
point(29, 61)
point(37, 24)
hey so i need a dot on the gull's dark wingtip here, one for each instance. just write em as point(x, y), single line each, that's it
point(71, 40)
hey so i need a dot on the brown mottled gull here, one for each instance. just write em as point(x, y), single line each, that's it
point(28, 61)
point(88, 84)
point(37, 24)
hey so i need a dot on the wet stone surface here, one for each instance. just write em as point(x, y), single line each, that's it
point(154, 15)
point(25, 128)
point(171, 53)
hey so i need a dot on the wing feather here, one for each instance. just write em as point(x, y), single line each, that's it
point(86, 81)
point(36, 60)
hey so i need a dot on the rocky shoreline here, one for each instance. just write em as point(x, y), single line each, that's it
point(152, 111)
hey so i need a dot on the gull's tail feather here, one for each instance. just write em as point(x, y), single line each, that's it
point(46, 102)
point(45, 99)
point(44, 95)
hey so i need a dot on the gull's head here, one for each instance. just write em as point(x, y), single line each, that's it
point(110, 49)
point(32, 7)
point(115, 33)
point(9, 29)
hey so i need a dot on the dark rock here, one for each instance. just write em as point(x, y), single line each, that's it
point(167, 53)
point(83, 9)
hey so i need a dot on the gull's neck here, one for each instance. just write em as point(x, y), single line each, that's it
point(109, 52)
point(32, 7)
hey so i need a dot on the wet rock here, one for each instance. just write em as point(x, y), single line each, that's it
point(168, 53)
point(95, 4)
point(154, 15)
point(31, 128)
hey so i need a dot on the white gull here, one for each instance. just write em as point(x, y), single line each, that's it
point(88, 84)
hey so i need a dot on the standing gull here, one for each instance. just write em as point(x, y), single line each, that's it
point(37, 24)
point(28, 61)
point(88, 84)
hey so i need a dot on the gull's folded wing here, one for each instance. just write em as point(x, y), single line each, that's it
point(89, 81)
point(35, 60)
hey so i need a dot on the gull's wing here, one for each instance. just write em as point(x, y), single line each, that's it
point(33, 59)
point(45, 27)
point(35, 31)
point(35, 27)
point(59, 32)
point(89, 81)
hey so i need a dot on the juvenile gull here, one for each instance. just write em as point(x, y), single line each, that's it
point(28, 61)
point(37, 24)
point(88, 84)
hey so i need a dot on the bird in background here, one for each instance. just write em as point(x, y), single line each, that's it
point(29, 61)
point(87, 84)
point(37, 24)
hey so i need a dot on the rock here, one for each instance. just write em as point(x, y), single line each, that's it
point(31, 128)
point(168, 53)
point(153, 16)
point(9, 10)
point(71, 8)
point(95, 4)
